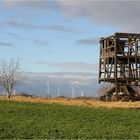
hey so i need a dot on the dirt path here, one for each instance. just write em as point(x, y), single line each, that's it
point(75, 102)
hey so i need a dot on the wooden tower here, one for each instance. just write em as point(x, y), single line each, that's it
point(119, 62)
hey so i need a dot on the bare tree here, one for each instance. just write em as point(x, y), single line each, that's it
point(104, 88)
point(10, 75)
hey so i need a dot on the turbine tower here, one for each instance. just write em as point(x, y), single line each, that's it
point(82, 93)
point(58, 92)
point(73, 88)
point(48, 88)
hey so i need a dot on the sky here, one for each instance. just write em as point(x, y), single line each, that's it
point(62, 35)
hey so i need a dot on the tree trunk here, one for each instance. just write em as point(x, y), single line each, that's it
point(9, 95)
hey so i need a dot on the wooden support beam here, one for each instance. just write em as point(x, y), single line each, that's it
point(119, 61)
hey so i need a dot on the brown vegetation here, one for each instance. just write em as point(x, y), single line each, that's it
point(75, 102)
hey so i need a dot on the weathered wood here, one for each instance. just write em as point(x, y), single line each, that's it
point(120, 60)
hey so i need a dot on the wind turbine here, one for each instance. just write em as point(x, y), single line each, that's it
point(58, 92)
point(82, 93)
point(48, 88)
point(73, 88)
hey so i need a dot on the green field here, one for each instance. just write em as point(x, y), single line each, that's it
point(36, 120)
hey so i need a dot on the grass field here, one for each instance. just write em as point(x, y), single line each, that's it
point(37, 120)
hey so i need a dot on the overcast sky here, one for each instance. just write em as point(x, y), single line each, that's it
point(62, 35)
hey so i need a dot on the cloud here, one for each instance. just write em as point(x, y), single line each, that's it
point(25, 3)
point(20, 25)
point(40, 42)
point(124, 15)
point(63, 28)
point(72, 66)
point(24, 25)
point(88, 41)
point(121, 14)
point(5, 44)
point(82, 75)
point(35, 41)
point(18, 37)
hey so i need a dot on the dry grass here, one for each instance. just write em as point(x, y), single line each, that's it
point(75, 102)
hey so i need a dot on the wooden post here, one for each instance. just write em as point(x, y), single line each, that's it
point(115, 67)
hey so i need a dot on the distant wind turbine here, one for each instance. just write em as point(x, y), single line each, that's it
point(58, 92)
point(82, 93)
point(48, 88)
point(73, 88)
